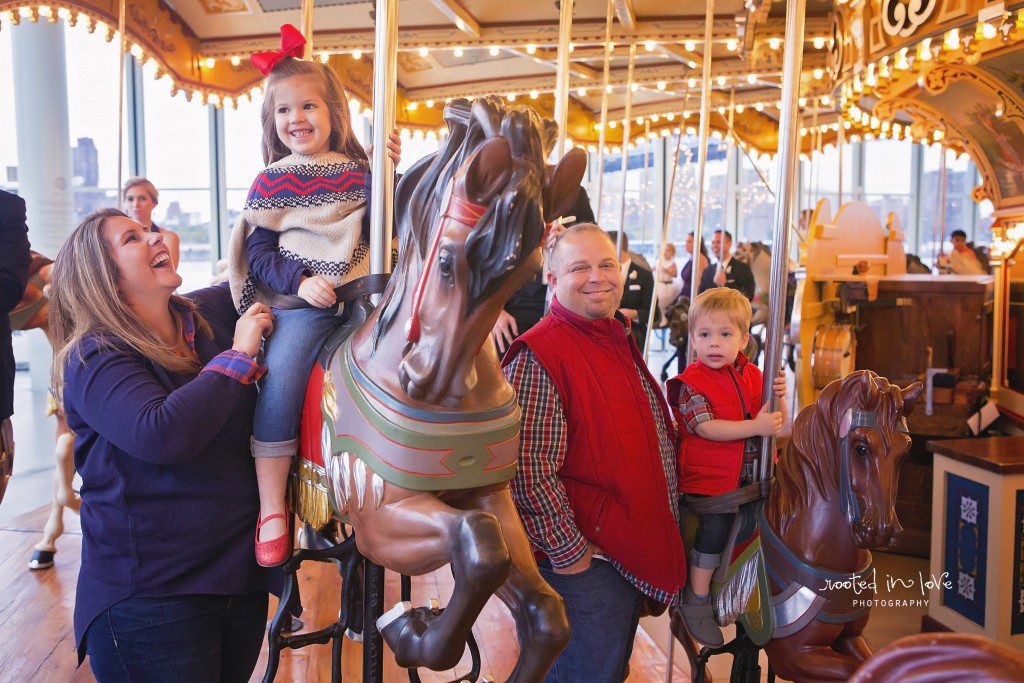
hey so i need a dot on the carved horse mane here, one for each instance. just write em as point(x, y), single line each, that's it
point(812, 456)
point(493, 249)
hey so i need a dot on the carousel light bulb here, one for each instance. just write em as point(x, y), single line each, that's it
point(690, 130)
point(649, 45)
point(639, 120)
point(662, 85)
point(665, 132)
point(582, 92)
point(325, 57)
point(875, 123)
point(136, 51)
point(865, 119)
point(774, 43)
point(869, 136)
point(847, 125)
point(751, 78)
point(511, 97)
point(924, 50)
point(457, 51)
point(826, 101)
point(686, 114)
point(937, 135)
point(818, 42)
point(721, 80)
point(430, 104)
point(424, 51)
point(634, 86)
point(210, 62)
point(690, 46)
point(999, 110)
point(721, 110)
point(759, 106)
point(534, 94)
point(608, 89)
point(531, 49)
point(818, 73)
point(988, 31)
point(802, 101)
point(357, 54)
point(691, 83)
point(731, 45)
point(45, 11)
point(901, 62)
point(431, 136)
point(670, 116)
point(572, 48)
point(655, 118)
point(413, 106)
point(677, 131)
point(886, 126)
point(494, 50)
point(236, 60)
point(354, 105)
point(739, 108)
point(952, 39)
point(64, 13)
point(612, 124)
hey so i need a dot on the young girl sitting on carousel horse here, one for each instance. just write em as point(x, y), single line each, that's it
point(718, 399)
point(303, 232)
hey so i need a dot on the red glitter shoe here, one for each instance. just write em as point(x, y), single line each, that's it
point(275, 551)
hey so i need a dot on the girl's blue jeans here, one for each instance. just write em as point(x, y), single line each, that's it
point(290, 353)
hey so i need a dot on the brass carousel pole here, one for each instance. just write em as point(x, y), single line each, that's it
point(562, 73)
point(940, 218)
point(604, 105)
point(784, 205)
point(385, 83)
point(122, 54)
point(840, 144)
point(307, 27)
point(702, 146)
point(625, 145)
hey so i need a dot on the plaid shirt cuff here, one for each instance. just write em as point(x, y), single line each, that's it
point(236, 365)
point(693, 408)
point(569, 553)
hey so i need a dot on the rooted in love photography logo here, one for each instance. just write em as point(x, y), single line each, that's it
point(870, 593)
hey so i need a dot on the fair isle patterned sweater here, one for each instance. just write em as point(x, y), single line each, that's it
point(316, 203)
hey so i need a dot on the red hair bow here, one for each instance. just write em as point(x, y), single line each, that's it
point(293, 44)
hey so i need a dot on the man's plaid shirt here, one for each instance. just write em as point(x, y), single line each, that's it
point(538, 492)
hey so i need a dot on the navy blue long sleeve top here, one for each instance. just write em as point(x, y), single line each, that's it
point(14, 266)
point(169, 496)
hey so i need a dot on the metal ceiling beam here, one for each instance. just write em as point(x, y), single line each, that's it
point(626, 13)
point(548, 58)
point(677, 52)
point(459, 15)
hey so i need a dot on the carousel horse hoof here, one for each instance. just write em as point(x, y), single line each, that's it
point(700, 622)
point(389, 617)
point(275, 551)
point(293, 625)
point(403, 628)
point(41, 559)
point(353, 636)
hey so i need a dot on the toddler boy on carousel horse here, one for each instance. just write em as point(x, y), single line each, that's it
point(718, 400)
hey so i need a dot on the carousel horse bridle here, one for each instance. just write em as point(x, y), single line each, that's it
point(855, 419)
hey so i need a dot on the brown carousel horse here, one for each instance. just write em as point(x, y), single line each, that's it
point(415, 431)
point(797, 585)
point(934, 657)
point(32, 313)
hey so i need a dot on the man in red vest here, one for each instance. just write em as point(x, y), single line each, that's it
point(597, 470)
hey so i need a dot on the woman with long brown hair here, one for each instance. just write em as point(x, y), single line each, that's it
point(159, 392)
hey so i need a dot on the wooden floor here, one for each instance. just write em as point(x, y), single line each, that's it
point(37, 641)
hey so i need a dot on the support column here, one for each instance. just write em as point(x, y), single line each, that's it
point(219, 228)
point(135, 123)
point(44, 160)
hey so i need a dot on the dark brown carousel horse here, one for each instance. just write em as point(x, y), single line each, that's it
point(833, 500)
point(932, 657)
point(32, 313)
point(416, 427)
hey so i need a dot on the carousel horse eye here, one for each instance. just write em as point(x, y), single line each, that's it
point(860, 450)
point(444, 264)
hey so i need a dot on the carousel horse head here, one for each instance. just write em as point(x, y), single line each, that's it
point(472, 217)
point(849, 445)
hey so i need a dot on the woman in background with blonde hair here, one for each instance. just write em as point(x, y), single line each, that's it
point(140, 198)
point(159, 391)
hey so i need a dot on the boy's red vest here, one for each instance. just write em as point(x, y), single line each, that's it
point(612, 473)
point(734, 392)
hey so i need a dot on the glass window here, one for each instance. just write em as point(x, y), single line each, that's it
point(92, 71)
point(887, 180)
point(181, 173)
point(643, 182)
point(683, 217)
point(8, 143)
point(756, 199)
point(960, 207)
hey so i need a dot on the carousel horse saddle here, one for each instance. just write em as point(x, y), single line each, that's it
point(740, 588)
point(350, 291)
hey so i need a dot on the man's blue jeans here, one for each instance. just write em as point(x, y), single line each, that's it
point(604, 610)
point(195, 638)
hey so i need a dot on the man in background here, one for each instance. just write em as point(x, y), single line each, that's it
point(728, 272)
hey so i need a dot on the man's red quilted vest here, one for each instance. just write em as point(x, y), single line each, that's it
point(612, 473)
point(713, 467)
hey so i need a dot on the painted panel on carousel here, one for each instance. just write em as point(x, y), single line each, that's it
point(966, 545)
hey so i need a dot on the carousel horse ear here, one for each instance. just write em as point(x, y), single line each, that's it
point(563, 184)
point(485, 111)
point(488, 170)
point(846, 423)
point(549, 136)
point(911, 395)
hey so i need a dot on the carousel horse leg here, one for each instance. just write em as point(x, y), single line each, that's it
point(851, 641)
point(699, 672)
point(541, 621)
point(63, 497)
point(420, 534)
point(808, 655)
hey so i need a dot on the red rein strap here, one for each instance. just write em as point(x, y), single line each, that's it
point(293, 44)
point(458, 209)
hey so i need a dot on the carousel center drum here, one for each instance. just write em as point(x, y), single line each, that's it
point(834, 354)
